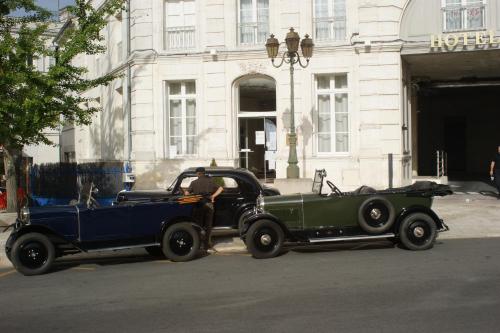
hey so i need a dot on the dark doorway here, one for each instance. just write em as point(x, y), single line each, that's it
point(257, 144)
point(461, 121)
point(257, 125)
point(455, 145)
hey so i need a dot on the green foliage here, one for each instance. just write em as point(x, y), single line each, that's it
point(217, 180)
point(32, 101)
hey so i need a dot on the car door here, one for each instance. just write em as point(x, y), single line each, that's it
point(105, 223)
point(228, 202)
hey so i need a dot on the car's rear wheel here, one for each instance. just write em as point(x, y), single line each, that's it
point(376, 215)
point(264, 239)
point(155, 251)
point(32, 254)
point(418, 232)
point(181, 242)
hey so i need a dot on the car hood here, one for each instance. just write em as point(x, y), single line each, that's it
point(282, 200)
point(269, 190)
point(51, 211)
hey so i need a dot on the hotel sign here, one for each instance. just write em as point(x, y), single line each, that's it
point(478, 39)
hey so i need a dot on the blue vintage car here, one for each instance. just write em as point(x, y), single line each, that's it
point(161, 226)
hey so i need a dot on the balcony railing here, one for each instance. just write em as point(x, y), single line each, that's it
point(330, 28)
point(178, 38)
point(469, 17)
point(253, 33)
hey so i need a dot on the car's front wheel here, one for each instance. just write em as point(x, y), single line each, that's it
point(181, 242)
point(264, 239)
point(32, 254)
point(418, 232)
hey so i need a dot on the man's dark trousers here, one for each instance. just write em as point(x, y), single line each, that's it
point(204, 215)
point(497, 180)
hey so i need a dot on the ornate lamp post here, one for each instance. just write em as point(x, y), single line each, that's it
point(292, 57)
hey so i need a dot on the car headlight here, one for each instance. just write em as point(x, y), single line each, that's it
point(25, 215)
point(260, 203)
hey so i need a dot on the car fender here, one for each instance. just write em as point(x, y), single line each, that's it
point(178, 219)
point(51, 234)
point(244, 208)
point(263, 216)
point(418, 209)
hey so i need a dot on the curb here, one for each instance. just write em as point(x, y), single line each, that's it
point(4, 262)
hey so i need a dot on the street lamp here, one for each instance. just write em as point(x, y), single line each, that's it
point(292, 57)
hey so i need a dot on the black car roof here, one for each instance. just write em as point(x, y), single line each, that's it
point(218, 169)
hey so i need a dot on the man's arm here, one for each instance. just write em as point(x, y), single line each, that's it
point(492, 167)
point(219, 191)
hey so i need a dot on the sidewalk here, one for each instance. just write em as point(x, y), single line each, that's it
point(468, 216)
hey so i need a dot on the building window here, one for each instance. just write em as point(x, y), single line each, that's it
point(330, 20)
point(333, 115)
point(180, 24)
point(182, 118)
point(254, 21)
point(463, 14)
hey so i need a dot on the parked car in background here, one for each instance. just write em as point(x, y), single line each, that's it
point(403, 215)
point(3, 198)
point(241, 189)
point(163, 226)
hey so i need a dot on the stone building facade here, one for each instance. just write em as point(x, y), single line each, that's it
point(197, 85)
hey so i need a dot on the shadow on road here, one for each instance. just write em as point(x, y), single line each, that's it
point(360, 246)
point(69, 263)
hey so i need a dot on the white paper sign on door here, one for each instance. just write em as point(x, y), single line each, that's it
point(260, 137)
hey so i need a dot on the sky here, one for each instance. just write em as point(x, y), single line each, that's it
point(50, 5)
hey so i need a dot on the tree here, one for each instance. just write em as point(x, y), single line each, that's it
point(32, 101)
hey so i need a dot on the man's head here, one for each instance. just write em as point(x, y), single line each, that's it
point(200, 171)
point(498, 148)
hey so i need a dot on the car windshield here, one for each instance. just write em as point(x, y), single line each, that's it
point(171, 187)
point(319, 175)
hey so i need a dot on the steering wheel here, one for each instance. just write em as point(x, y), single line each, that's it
point(334, 188)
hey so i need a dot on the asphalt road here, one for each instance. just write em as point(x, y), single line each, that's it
point(454, 287)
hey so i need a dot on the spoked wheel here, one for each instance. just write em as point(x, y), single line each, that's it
point(265, 239)
point(32, 254)
point(181, 242)
point(418, 232)
point(376, 215)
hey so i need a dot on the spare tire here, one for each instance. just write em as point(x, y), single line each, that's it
point(376, 215)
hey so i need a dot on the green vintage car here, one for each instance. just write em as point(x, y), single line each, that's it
point(402, 215)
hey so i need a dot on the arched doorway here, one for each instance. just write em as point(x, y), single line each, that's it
point(257, 142)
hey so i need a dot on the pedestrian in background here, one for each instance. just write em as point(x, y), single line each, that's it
point(204, 210)
point(495, 170)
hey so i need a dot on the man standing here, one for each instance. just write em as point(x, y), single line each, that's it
point(204, 210)
point(495, 170)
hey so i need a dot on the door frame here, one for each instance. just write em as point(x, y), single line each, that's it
point(237, 114)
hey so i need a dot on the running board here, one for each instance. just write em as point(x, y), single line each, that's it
point(349, 238)
point(223, 228)
point(122, 247)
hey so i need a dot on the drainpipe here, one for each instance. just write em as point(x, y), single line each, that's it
point(128, 166)
point(129, 86)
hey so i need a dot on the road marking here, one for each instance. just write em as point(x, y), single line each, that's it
point(83, 268)
point(7, 273)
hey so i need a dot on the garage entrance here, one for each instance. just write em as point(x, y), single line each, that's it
point(455, 110)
